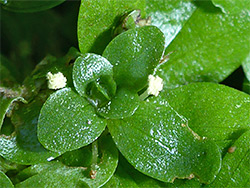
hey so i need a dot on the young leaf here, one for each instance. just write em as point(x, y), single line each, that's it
point(23, 146)
point(97, 19)
point(134, 54)
point(29, 6)
point(5, 181)
point(235, 165)
point(56, 174)
point(214, 111)
point(157, 141)
point(67, 122)
point(123, 104)
point(209, 47)
point(90, 68)
point(232, 6)
point(169, 16)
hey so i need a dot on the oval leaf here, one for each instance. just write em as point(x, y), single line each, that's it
point(23, 146)
point(67, 122)
point(123, 104)
point(97, 19)
point(93, 68)
point(134, 55)
point(214, 111)
point(59, 175)
point(209, 53)
point(157, 141)
point(235, 165)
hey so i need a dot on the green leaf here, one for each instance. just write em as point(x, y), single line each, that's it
point(146, 181)
point(246, 67)
point(232, 6)
point(56, 174)
point(214, 111)
point(157, 141)
point(90, 68)
point(23, 146)
point(123, 104)
point(120, 180)
point(97, 20)
point(29, 6)
point(134, 54)
point(209, 47)
point(246, 86)
point(37, 80)
point(7, 98)
point(5, 181)
point(235, 165)
point(169, 16)
point(67, 122)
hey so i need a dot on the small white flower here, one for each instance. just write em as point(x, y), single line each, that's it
point(56, 81)
point(155, 85)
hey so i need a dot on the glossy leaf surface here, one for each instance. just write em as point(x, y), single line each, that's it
point(67, 122)
point(57, 174)
point(209, 47)
point(23, 146)
point(235, 165)
point(29, 6)
point(5, 182)
point(91, 68)
point(214, 111)
point(157, 141)
point(232, 6)
point(97, 20)
point(169, 16)
point(134, 54)
point(123, 104)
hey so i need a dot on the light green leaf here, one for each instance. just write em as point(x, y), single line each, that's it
point(209, 47)
point(214, 111)
point(169, 16)
point(157, 141)
point(5, 181)
point(23, 146)
point(235, 170)
point(29, 6)
point(57, 174)
point(134, 54)
point(97, 20)
point(90, 68)
point(123, 104)
point(246, 86)
point(67, 122)
point(232, 6)
point(246, 67)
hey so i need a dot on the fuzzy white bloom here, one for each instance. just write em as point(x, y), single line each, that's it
point(155, 85)
point(56, 81)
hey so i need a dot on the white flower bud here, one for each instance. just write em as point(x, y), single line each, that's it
point(155, 85)
point(56, 81)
